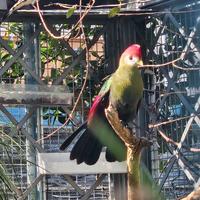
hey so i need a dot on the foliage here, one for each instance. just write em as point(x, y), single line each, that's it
point(6, 184)
point(114, 11)
point(55, 57)
point(71, 11)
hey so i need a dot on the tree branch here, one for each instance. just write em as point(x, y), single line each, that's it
point(134, 146)
point(194, 195)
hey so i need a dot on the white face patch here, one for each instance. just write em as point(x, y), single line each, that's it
point(131, 60)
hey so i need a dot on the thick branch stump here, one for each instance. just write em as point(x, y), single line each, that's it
point(134, 147)
point(194, 195)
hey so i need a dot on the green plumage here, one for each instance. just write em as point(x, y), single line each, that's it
point(123, 90)
point(126, 90)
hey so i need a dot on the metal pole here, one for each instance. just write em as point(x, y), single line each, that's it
point(40, 186)
point(31, 127)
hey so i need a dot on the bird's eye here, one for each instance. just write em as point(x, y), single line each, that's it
point(131, 60)
point(130, 57)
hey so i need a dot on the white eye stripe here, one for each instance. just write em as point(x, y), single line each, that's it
point(131, 60)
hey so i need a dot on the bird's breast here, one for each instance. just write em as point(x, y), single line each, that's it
point(125, 95)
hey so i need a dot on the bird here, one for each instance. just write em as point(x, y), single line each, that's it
point(19, 4)
point(123, 90)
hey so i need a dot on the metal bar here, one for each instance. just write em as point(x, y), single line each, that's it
point(183, 164)
point(88, 192)
point(8, 115)
point(64, 41)
point(73, 184)
point(187, 105)
point(16, 57)
point(39, 118)
point(164, 97)
point(185, 170)
point(30, 188)
point(3, 5)
point(31, 72)
point(154, 42)
point(79, 57)
point(186, 130)
point(181, 97)
point(167, 171)
point(14, 121)
point(197, 183)
point(25, 118)
point(190, 37)
point(33, 141)
point(60, 163)
point(34, 94)
point(184, 134)
point(31, 127)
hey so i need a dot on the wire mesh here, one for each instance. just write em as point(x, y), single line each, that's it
point(171, 102)
point(55, 58)
point(171, 95)
point(58, 188)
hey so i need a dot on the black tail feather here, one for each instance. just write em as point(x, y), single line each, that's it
point(92, 151)
point(79, 148)
point(68, 141)
point(109, 156)
point(87, 149)
point(120, 156)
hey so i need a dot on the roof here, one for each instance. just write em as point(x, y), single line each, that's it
point(167, 4)
point(99, 13)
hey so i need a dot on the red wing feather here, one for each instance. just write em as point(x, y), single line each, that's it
point(94, 108)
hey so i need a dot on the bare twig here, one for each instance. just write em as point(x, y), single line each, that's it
point(169, 140)
point(171, 121)
point(84, 83)
point(86, 11)
point(162, 64)
point(171, 64)
point(186, 69)
point(68, 6)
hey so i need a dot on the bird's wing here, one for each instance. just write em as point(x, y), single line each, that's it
point(106, 87)
point(68, 141)
point(98, 104)
point(95, 107)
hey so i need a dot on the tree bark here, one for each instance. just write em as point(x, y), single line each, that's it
point(194, 195)
point(134, 146)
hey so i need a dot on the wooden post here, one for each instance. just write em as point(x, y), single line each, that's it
point(134, 147)
point(194, 195)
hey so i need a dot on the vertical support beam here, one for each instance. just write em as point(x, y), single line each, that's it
point(30, 58)
point(121, 33)
point(3, 5)
point(40, 186)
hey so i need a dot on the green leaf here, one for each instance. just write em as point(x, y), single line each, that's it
point(61, 119)
point(54, 73)
point(114, 11)
point(46, 116)
point(95, 54)
point(71, 11)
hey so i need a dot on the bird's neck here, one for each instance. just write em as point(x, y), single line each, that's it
point(128, 72)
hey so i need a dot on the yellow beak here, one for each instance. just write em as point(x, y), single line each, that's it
point(140, 63)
